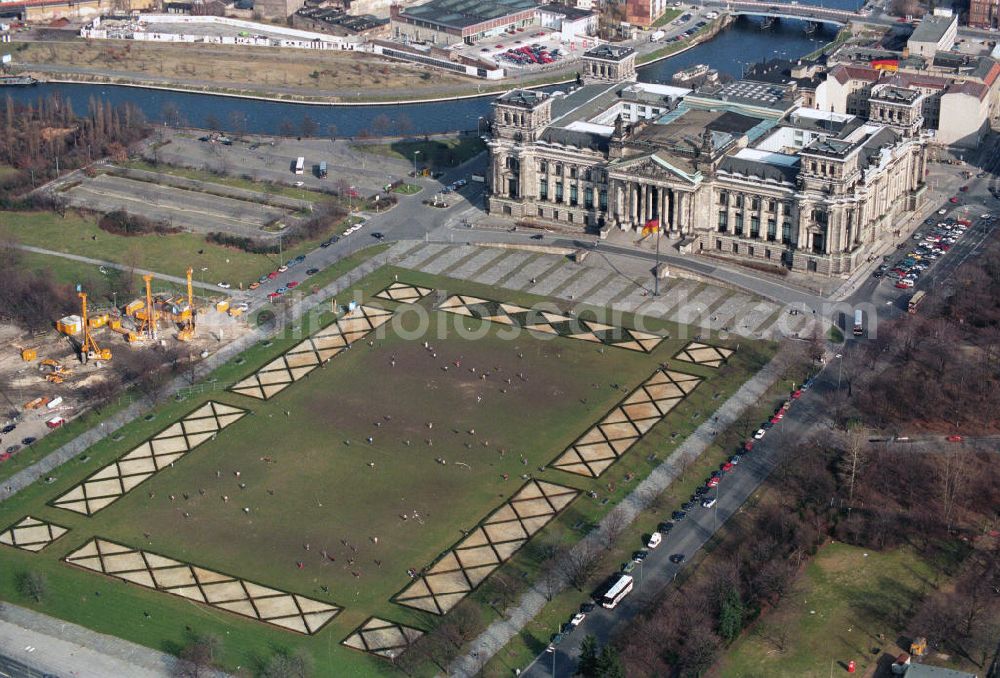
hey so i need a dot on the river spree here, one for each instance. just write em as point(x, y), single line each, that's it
point(743, 43)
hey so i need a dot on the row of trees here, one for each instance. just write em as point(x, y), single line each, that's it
point(878, 498)
point(940, 369)
point(48, 136)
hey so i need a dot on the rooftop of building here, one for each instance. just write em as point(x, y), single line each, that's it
point(895, 95)
point(607, 52)
point(779, 72)
point(685, 130)
point(337, 17)
point(933, 28)
point(868, 139)
point(525, 98)
point(460, 14)
point(571, 13)
point(927, 671)
point(751, 93)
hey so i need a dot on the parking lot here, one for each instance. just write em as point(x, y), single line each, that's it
point(930, 242)
point(528, 49)
point(270, 159)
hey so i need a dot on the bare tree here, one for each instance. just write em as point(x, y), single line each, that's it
point(580, 563)
point(854, 458)
point(613, 525)
point(198, 656)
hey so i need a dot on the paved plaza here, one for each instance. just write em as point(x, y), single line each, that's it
point(702, 305)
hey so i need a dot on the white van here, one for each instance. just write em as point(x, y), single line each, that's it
point(709, 503)
point(654, 540)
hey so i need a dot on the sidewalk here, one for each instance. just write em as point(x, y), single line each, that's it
point(501, 631)
point(62, 649)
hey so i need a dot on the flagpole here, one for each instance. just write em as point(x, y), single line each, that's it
point(656, 269)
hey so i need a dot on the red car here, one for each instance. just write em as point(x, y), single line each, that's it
point(796, 394)
point(955, 439)
point(775, 419)
point(293, 284)
point(953, 200)
point(4, 456)
point(748, 446)
point(728, 466)
point(712, 482)
point(273, 295)
point(272, 275)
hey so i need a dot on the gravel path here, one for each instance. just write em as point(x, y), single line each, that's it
point(501, 631)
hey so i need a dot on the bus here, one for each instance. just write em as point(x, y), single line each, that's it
point(859, 323)
point(300, 165)
point(620, 588)
point(322, 169)
point(915, 301)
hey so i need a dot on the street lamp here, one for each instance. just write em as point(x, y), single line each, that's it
point(415, 154)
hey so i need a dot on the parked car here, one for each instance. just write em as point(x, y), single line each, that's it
point(654, 540)
point(677, 558)
point(759, 433)
point(224, 285)
point(312, 271)
point(640, 556)
point(709, 503)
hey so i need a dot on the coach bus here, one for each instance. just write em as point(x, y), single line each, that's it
point(300, 165)
point(859, 323)
point(915, 301)
point(620, 588)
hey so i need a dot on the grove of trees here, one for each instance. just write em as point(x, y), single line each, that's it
point(37, 138)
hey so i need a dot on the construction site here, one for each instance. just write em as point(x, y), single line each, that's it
point(50, 378)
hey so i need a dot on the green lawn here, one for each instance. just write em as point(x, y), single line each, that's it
point(407, 189)
point(71, 272)
point(167, 254)
point(314, 465)
point(843, 600)
point(522, 649)
point(667, 17)
point(436, 153)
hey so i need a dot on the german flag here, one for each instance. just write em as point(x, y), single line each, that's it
point(652, 226)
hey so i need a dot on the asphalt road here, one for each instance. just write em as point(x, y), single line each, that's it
point(691, 533)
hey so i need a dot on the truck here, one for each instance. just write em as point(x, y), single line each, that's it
point(859, 323)
point(300, 165)
point(657, 36)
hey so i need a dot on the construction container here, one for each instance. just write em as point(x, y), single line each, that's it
point(115, 323)
point(54, 403)
point(235, 312)
point(222, 306)
point(133, 306)
point(35, 404)
point(28, 354)
point(55, 422)
point(70, 325)
point(99, 320)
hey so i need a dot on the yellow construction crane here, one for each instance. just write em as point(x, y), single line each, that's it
point(187, 331)
point(147, 324)
point(88, 347)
